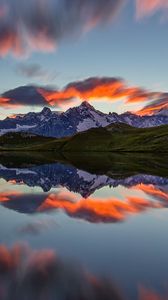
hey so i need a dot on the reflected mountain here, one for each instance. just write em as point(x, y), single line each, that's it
point(142, 191)
point(49, 176)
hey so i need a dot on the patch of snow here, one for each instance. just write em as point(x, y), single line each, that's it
point(102, 120)
point(96, 120)
point(17, 129)
point(18, 171)
point(86, 124)
point(97, 180)
point(85, 175)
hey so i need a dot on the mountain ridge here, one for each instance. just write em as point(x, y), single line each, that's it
point(77, 119)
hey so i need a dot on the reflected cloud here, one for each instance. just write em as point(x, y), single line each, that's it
point(36, 228)
point(160, 193)
point(97, 210)
point(20, 202)
point(140, 193)
point(26, 273)
point(49, 176)
point(41, 274)
point(148, 294)
point(91, 209)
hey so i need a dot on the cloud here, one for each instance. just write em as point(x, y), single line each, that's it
point(35, 71)
point(40, 25)
point(22, 96)
point(150, 7)
point(42, 274)
point(156, 106)
point(90, 89)
point(97, 88)
point(93, 88)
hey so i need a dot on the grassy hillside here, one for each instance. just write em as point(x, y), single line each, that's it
point(29, 142)
point(114, 138)
point(120, 137)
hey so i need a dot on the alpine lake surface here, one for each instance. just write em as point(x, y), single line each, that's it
point(83, 227)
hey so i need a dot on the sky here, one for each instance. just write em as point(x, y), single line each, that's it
point(112, 53)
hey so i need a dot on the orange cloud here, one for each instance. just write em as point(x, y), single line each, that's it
point(97, 210)
point(149, 7)
point(89, 89)
point(6, 103)
point(95, 88)
point(160, 103)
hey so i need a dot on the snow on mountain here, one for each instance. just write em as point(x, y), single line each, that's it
point(162, 112)
point(54, 175)
point(76, 119)
point(17, 171)
point(17, 129)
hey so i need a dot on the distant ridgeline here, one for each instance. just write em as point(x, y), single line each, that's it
point(82, 129)
point(74, 120)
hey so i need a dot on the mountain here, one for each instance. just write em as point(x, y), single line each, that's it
point(162, 112)
point(116, 137)
point(54, 175)
point(74, 120)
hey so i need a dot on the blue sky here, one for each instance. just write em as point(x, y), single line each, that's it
point(135, 50)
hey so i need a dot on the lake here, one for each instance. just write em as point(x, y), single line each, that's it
point(83, 227)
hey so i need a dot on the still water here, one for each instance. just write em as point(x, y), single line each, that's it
point(67, 232)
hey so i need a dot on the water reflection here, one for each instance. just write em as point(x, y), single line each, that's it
point(141, 192)
point(37, 275)
point(94, 210)
point(41, 274)
point(76, 180)
point(42, 203)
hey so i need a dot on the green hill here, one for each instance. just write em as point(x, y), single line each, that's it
point(120, 137)
point(113, 138)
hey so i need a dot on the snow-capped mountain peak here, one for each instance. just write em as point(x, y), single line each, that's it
point(86, 105)
point(76, 119)
point(162, 112)
point(46, 111)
